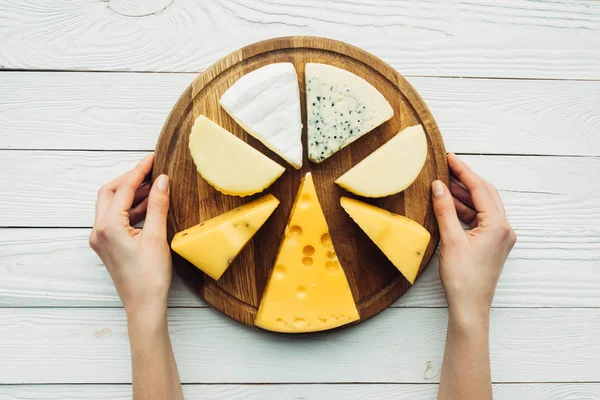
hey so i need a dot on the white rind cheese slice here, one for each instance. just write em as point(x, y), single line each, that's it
point(391, 168)
point(341, 107)
point(266, 103)
point(228, 163)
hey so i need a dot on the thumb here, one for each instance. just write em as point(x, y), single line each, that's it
point(155, 227)
point(445, 213)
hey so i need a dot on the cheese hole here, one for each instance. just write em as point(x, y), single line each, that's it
point(295, 230)
point(308, 261)
point(301, 292)
point(305, 201)
point(279, 321)
point(279, 272)
point(332, 266)
point(298, 322)
point(326, 240)
point(331, 255)
point(309, 250)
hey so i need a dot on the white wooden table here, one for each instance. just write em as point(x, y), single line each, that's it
point(86, 85)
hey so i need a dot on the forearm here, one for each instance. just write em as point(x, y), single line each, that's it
point(466, 365)
point(154, 371)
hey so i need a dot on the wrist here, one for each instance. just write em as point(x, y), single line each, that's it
point(147, 315)
point(469, 317)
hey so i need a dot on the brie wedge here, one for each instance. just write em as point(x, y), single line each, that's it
point(266, 104)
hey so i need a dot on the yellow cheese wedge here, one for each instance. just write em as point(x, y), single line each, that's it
point(228, 163)
point(401, 239)
point(212, 245)
point(307, 290)
point(391, 168)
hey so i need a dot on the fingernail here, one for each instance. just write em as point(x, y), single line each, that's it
point(162, 183)
point(437, 188)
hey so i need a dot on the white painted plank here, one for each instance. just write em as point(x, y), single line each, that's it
point(66, 110)
point(52, 110)
point(513, 38)
point(398, 346)
point(549, 391)
point(56, 268)
point(87, 111)
point(58, 188)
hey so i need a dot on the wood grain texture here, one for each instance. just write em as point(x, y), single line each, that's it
point(56, 268)
point(507, 391)
point(526, 345)
point(375, 282)
point(74, 110)
point(514, 38)
point(58, 189)
point(551, 200)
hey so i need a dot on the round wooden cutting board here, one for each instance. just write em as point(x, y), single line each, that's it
point(374, 280)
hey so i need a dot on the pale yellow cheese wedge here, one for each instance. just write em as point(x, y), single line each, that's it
point(391, 168)
point(307, 290)
point(228, 163)
point(401, 239)
point(212, 245)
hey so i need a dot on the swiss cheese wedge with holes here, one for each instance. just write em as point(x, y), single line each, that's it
point(308, 290)
point(212, 245)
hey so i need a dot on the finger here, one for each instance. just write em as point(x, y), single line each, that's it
point(125, 194)
point(138, 213)
point(443, 206)
point(105, 195)
point(496, 197)
point(461, 193)
point(141, 194)
point(465, 213)
point(480, 194)
point(155, 227)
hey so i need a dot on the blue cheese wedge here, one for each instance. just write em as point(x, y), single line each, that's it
point(266, 104)
point(341, 107)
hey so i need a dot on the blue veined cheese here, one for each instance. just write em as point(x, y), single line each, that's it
point(266, 104)
point(341, 107)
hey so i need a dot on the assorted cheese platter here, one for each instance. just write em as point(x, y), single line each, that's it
point(300, 171)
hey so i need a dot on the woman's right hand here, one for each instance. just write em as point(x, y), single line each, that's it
point(470, 261)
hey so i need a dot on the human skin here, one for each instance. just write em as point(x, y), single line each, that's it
point(471, 262)
point(139, 262)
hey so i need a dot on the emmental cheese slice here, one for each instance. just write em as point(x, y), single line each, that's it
point(340, 107)
point(391, 168)
point(212, 245)
point(401, 239)
point(266, 103)
point(307, 290)
point(228, 163)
